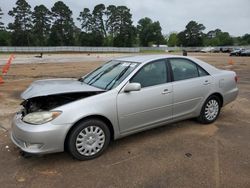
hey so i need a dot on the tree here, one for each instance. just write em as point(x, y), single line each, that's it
point(62, 31)
point(1, 23)
point(244, 40)
point(192, 35)
point(107, 26)
point(157, 34)
point(173, 40)
point(225, 39)
point(182, 41)
point(22, 24)
point(211, 38)
point(85, 18)
point(41, 21)
point(98, 20)
point(124, 31)
point(111, 22)
point(4, 35)
point(144, 32)
point(91, 39)
point(217, 38)
point(93, 26)
point(149, 32)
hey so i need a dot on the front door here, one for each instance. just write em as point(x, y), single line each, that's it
point(149, 106)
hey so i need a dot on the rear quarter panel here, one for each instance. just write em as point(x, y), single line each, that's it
point(226, 85)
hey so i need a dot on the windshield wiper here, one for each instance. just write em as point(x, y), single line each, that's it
point(113, 81)
point(100, 74)
point(80, 79)
point(83, 78)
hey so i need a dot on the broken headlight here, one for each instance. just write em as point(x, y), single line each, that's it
point(39, 118)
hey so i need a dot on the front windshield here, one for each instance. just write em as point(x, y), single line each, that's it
point(110, 74)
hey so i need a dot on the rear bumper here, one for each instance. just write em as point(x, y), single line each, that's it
point(38, 139)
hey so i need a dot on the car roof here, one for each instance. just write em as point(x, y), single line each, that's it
point(149, 58)
point(145, 58)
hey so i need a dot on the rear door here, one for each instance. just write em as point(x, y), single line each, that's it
point(191, 84)
point(152, 104)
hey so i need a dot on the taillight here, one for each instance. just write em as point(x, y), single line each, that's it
point(236, 79)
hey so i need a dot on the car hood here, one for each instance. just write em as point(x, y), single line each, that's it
point(56, 86)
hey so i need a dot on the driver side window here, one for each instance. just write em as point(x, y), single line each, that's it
point(151, 74)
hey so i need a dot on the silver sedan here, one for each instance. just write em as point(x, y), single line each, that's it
point(122, 97)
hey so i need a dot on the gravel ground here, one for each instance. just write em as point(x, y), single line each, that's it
point(183, 154)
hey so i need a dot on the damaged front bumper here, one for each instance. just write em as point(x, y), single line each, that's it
point(38, 139)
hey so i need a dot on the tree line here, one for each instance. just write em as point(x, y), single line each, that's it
point(103, 26)
point(193, 35)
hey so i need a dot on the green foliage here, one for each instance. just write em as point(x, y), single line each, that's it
point(85, 18)
point(93, 26)
point(225, 39)
point(111, 22)
point(4, 38)
point(41, 25)
point(111, 26)
point(244, 40)
point(91, 39)
point(218, 38)
point(192, 35)
point(124, 31)
point(62, 31)
point(149, 32)
point(173, 40)
point(98, 25)
point(22, 25)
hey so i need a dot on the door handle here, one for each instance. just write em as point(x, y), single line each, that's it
point(165, 91)
point(206, 82)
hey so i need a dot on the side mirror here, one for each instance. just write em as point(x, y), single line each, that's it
point(132, 87)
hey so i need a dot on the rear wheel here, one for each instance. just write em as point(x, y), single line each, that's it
point(210, 110)
point(88, 139)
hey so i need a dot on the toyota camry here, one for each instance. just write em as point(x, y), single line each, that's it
point(121, 97)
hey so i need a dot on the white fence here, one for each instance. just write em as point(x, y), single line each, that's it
point(154, 48)
point(190, 49)
point(69, 49)
point(107, 49)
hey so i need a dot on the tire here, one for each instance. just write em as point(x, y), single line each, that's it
point(88, 139)
point(210, 115)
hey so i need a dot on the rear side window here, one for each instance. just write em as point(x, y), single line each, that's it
point(183, 69)
point(202, 72)
point(151, 74)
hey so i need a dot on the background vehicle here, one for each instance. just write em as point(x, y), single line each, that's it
point(245, 53)
point(210, 50)
point(122, 97)
point(237, 52)
point(226, 50)
point(207, 49)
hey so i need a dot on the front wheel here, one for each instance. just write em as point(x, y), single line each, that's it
point(88, 139)
point(210, 110)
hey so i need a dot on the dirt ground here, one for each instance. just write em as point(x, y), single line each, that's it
point(183, 154)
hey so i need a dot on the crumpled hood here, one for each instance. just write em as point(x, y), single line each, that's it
point(56, 86)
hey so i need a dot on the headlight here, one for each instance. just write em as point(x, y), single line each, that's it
point(38, 118)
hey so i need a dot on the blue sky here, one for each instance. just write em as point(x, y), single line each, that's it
point(232, 16)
